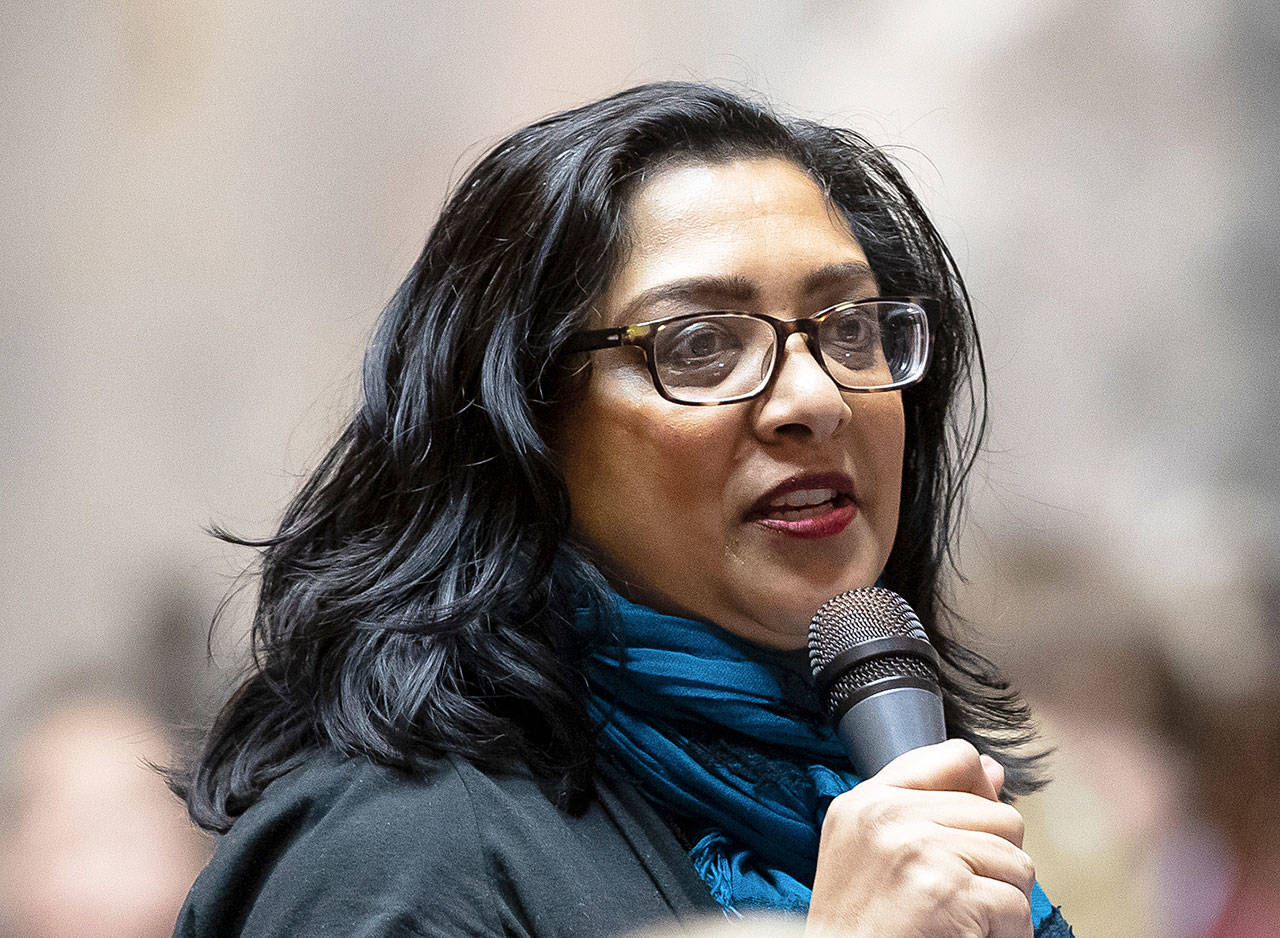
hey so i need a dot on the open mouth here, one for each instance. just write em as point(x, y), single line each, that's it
point(808, 506)
point(805, 503)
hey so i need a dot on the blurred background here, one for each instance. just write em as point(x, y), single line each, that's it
point(206, 203)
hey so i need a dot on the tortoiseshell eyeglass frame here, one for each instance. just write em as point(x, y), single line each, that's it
point(641, 335)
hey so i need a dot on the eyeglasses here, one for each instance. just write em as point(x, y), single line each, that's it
point(713, 358)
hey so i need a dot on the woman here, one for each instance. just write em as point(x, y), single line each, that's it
point(528, 648)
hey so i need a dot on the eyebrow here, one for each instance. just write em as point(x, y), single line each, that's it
point(738, 289)
point(850, 274)
point(733, 288)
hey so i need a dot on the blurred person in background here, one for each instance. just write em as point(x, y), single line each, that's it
point(1231, 730)
point(1241, 746)
point(670, 372)
point(91, 842)
point(1163, 706)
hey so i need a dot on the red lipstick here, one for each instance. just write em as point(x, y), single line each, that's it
point(808, 506)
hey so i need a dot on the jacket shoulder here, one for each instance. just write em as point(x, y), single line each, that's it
point(342, 846)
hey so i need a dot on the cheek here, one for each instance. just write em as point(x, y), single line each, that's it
point(890, 446)
point(634, 463)
point(879, 437)
point(888, 441)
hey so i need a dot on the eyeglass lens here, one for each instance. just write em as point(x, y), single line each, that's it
point(724, 355)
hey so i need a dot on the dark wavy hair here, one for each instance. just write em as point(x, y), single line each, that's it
point(417, 598)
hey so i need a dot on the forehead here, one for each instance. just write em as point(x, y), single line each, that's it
point(762, 223)
point(683, 198)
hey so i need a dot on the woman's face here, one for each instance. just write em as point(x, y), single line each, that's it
point(693, 510)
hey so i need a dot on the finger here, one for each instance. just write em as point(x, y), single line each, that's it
point(995, 772)
point(953, 765)
point(953, 809)
point(1006, 909)
point(995, 858)
point(965, 812)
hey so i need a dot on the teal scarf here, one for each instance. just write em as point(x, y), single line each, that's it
point(729, 738)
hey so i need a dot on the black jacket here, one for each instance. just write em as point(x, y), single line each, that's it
point(343, 847)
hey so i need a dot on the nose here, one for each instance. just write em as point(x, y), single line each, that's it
point(803, 402)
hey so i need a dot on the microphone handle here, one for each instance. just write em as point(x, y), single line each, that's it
point(881, 727)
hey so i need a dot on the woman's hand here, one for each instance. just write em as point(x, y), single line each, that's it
point(923, 848)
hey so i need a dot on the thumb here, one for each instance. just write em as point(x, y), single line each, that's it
point(953, 765)
point(995, 773)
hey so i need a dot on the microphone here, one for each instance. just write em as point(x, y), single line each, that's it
point(877, 675)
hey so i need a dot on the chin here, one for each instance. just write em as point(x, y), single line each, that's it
point(785, 628)
point(784, 624)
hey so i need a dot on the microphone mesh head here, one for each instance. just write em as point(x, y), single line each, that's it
point(859, 616)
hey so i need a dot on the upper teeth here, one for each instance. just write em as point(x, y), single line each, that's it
point(802, 497)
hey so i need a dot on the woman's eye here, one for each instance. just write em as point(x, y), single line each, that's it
point(700, 354)
point(701, 344)
point(852, 342)
point(855, 332)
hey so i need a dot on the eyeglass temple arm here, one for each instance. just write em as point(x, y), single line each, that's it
point(594, 339)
